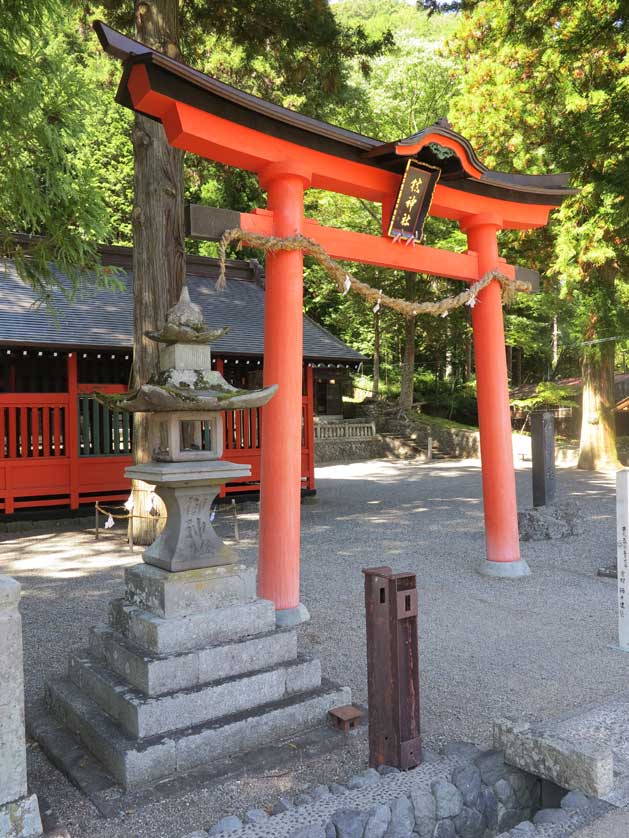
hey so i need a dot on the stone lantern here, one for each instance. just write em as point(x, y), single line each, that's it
point(191, 671)
point(185, 403)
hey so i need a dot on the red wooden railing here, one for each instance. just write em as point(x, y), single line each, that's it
point(62, 449)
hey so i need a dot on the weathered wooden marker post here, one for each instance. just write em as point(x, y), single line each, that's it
point(622, 539)
point(392, 668)
point(543, 453)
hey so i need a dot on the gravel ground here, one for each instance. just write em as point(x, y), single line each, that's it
point(534, 647)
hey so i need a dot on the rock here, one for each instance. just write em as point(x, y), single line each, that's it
point(491, 765)
point(402, 819)
point(385, 770)
point(429, 756)
point(507, 818)
point(255, 815)
point(467, 779)
point(330, 830)
point(366, 778)
point(488, 805)
point(189, 835)
point(448, 799)
point(228, 824)
point(466, 750)
point(574, 800)
point(469, 823)
point(302, 799)
point(378, 823)
point(505, 794)
point(525, 786)
point(555, 520)
point(445, 829)
point(282, 804)
point(523, 830)
point(310, 831)
point(349, 823)
point(551, 816)
point(425, 810)
point(320, 792)
point(337, 788)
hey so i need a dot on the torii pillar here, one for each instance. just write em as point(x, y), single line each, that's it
point(499, 495)
point(280, 484)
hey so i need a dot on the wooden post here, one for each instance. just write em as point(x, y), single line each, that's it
point(72, 429)
point(309, 427)
point(392, 668)
point(280, 491)
point(499, 498)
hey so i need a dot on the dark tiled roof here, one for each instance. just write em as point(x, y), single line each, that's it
point(104, 319)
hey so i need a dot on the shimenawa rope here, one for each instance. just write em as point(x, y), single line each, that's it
point(345, 281)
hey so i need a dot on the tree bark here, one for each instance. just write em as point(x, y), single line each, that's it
point(598, 423)
point(408, 362)
point(376, 354)
point(158, 240)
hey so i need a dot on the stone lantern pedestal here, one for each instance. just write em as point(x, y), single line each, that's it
point(188, 540)
point(191, 667)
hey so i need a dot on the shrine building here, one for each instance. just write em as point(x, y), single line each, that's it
point(60, 448)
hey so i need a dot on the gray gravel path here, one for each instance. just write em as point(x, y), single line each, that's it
point(535, 647)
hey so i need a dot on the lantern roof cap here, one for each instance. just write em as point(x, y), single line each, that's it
point(186, 381)
point(185, 324)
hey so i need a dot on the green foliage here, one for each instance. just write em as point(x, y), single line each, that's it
point(548, 394)
point(48, 185)
point(547, 91)
point(446, 398)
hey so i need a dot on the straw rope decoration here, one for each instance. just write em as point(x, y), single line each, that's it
point(345, 281)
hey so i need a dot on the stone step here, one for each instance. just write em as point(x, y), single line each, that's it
point(175, 635)
point(141, 716)
point(135, 763)
point(159, 674)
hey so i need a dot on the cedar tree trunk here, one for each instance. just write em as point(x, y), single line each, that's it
point(158, 239)
point(408, 363)
point(598, 427)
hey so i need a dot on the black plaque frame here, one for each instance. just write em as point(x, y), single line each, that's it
point(428, 177)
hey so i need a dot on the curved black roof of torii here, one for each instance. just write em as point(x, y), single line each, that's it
point(206, 93)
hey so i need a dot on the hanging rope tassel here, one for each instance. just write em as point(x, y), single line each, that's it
point(273, 244)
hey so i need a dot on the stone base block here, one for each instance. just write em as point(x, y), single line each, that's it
point(162, 636)
point(159, 674)
point(169, 594)
point(504, 570)
point(542, 751)
point(20, 818)
point(136, 763)
point(555, 520)
point(141, 716)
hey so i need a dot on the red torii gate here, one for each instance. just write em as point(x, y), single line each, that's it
point(290, 153)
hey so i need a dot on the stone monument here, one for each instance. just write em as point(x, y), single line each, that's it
point(622, 554)
point(548, 519)
point(19, 811)
point(191, 667)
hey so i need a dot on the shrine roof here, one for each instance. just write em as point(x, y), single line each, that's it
point(438, 145)
point(103, 319)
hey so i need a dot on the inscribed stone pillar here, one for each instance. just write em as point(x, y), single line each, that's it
point(543, 451)
point(19, 813)
point(622, 548)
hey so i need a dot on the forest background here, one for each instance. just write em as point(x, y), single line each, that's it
point(543, 88)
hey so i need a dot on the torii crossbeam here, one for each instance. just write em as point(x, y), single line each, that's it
point(289, 153)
